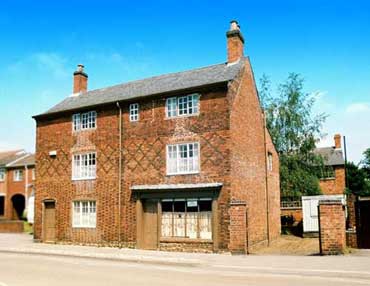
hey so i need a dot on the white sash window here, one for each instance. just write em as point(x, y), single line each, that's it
point(84, 214)
point(84, 166)
point(84, 121)
point(183, 158)
point(182, 106)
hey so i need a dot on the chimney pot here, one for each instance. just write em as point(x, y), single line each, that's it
point(235, 42)
point(338, 141)
point(234, 25)
point(80, 80)
point(80, 67)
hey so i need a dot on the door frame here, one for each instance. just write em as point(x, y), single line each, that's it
point(43, 218)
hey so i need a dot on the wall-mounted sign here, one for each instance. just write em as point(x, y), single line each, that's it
point(192, 203)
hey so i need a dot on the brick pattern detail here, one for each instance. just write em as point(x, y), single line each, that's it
point(332, 228)
point(334, 186)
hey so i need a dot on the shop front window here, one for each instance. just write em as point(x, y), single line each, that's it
point(190, 218)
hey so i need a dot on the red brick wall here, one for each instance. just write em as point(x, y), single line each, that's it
point(11, 226)
point(248, 160)
point(296, 213)
point(144, 162)
point(332, 227)
point(334, 186)
point(273, 185)
point(238, 227)
point(53, 176)
point(144, 145)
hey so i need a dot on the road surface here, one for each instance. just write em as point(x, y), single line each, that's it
point(24, 269)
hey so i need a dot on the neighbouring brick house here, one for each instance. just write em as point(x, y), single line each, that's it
point(333, 180)
point(181, 161)
point(17, 174)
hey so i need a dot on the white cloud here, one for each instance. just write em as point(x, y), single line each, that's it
point(50, 62)
point(358, 107)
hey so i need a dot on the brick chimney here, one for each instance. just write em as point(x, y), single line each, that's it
point(235, 42)
point(79, 80)
point(337, 140)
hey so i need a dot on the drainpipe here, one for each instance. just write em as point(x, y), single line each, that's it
point(266, 178)
point(119, 170)
point(25, 189)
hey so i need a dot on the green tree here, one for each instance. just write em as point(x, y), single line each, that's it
point(294, 130)
point(358, 182)
point(366, 163)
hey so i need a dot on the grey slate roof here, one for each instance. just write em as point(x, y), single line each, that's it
point(331, 156)
point(26, 160)
point(151, 86)
point(10, 156)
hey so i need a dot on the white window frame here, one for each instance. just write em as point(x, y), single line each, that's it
point(2, 174)
point(18, 175)
point(182, 104)
point(84, 214)
point(33, 174)
point(86, 171)
point(84, 121)
point(134, 112)
point(192, 163)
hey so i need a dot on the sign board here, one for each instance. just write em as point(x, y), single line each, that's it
point(192, 203)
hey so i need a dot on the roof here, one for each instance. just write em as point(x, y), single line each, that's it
point(150, 86)
point(25, 160)
point(331, 156)
point(176, 186)
point(7, 157)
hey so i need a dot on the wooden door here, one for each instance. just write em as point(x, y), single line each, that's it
point(364, 224)
point(49, 222)
point(150, 225)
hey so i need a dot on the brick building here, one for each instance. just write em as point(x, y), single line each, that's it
point(17, 174)
point(333, 180)
point(180, 161)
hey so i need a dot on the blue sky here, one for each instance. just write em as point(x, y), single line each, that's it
point(327, 42)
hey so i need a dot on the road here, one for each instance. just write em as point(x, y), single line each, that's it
point(24, 269)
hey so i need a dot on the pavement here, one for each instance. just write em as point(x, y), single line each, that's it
point(19, 250)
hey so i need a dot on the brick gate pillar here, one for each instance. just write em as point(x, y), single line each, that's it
point(332, 224)
point(238, 227)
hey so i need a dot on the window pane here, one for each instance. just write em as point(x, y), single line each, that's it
point(192, 218)
point(179, 219)
point(166, 227)
point(195, 103)
point(183, 105)
point(172, 159)
point(171, 106)
point(134, 112)
point(205, 219)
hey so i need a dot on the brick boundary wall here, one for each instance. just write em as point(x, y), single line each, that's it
point(332, 224)
point(351, 233)
point(11, 226)
point(238, 227)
